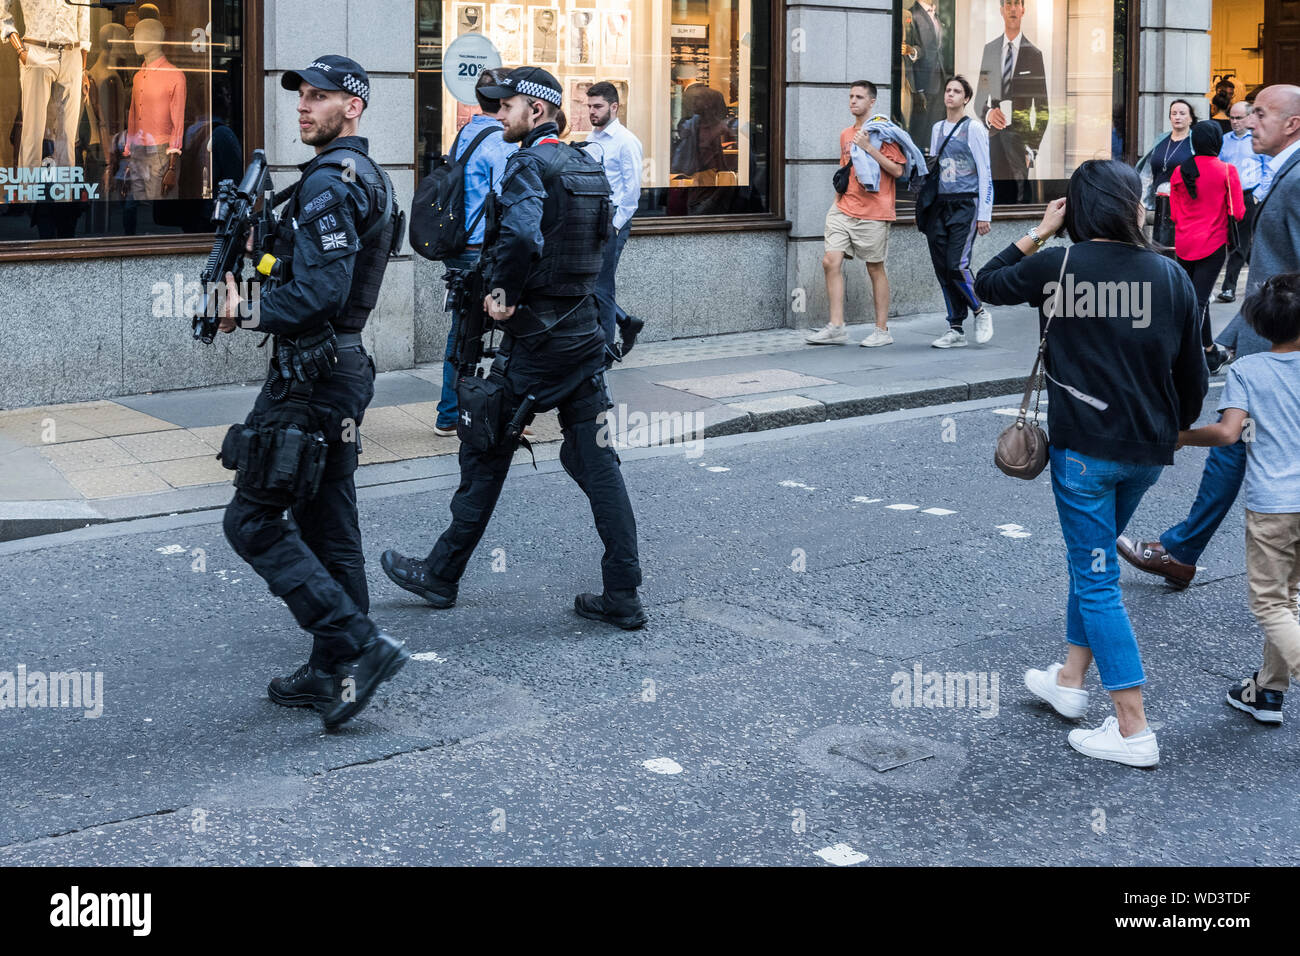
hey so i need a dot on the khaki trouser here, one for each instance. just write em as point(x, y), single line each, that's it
point(50, 75)
point(1273, 570)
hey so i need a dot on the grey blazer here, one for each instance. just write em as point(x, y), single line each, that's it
point(1275, 250)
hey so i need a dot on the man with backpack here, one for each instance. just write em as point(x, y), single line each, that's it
point(478, 161)
point(544, 251)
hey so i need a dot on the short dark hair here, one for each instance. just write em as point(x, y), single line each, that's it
point(489, 77)
point(605, 90)
point(866, 85)
point(965, 85)
point(1101, 202)
point(1273, 310)
point(1190, 108)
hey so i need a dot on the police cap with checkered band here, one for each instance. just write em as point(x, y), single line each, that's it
point(331, 73)
point(527, 81)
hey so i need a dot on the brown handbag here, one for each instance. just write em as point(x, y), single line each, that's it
point(1022, 447)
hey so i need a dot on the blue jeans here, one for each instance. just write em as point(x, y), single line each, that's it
point(609, 310)
point(1095, 499)
point(447, 404)
point(1225, 468)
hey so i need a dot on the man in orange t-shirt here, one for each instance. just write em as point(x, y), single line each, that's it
point(858, 225)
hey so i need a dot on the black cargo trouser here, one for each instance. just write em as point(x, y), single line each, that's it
point(587, 454)
point(314, 561)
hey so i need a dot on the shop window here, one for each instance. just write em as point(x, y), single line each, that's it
point(117, 121)
point(1062, 100)
point(693, 78)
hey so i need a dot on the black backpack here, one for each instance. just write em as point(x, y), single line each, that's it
point(438, 227)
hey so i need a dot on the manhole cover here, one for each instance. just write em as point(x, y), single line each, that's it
point(882, 757)
point(881, 754)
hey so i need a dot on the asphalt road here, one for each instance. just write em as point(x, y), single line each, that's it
point(521, 732)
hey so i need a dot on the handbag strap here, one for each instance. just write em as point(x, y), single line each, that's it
point(961, 122)
point(1034, 386)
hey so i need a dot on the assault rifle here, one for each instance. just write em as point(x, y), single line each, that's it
point(234, 214)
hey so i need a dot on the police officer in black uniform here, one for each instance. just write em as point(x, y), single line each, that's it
point(545, 250)
point(335, 235)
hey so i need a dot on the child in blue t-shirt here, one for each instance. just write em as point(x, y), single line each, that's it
point(1261, 406)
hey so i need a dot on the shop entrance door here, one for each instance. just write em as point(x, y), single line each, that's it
point(1281, 41)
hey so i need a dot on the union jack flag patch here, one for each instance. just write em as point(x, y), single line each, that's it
point(334, 240)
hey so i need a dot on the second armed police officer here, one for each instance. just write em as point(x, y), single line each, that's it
point(299, 447)
point(544, 250)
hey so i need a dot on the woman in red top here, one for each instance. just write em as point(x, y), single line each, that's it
point(1204, 192)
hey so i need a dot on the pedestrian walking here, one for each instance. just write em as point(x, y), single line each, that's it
point(858, 222)
point(480, 147)
point(1205, 194)
point(619, 150)
point(964, 209)
point(1157, 167)
point(1275, 135)
point(1239, 152)
point(1123, 376)
point(1261, 403)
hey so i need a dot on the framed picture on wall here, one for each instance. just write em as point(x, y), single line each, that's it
point(508, 32)
point(544, 36)
point(575, 105)
point(616, 37)
point(583, 38)
point(470, 18)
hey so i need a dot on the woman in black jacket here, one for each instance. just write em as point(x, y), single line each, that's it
point(1125, 371)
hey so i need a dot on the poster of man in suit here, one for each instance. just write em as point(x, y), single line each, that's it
point(928, 30)
point(1011, 100)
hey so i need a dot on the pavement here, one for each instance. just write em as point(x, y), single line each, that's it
point(68, 466)
point(797, 581)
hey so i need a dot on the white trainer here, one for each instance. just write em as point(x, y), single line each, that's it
point(983, 326)
point(877, 338)
point(828, 335)
point(1107, 743)
point(952, 339)
point(1066, 701)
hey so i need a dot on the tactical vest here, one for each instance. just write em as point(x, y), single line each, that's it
point(576, 222)
point(380, 237)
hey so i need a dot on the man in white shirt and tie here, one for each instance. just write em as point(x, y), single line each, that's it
point(1237, 151)
point(620, 152)
point(1012, 75)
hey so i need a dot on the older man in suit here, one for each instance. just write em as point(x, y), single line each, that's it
point(927, 61)
point(1275, 125)
point(1012, 69)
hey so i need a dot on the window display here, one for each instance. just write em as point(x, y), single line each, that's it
point(692, 78)
point(116, 121)
point(1048, 78)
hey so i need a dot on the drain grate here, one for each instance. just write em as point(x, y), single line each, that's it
point(882, 752)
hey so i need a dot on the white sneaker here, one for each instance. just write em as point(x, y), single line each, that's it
point(1066, 701)
point(952, 339)
point(877, 338)
point(828, 335)
point(1106, 743)
point(983, 326)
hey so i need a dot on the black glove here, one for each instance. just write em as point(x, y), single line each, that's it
point(310, 357)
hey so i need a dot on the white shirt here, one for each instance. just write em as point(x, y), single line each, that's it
point(52, 21)
point(620, 152)
point(934, 17)
point(1015, 55)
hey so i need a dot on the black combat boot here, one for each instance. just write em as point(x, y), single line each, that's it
point(629, 327)
point(305, 687)
point(414, 576)
point(355, 681)
point(621, 608)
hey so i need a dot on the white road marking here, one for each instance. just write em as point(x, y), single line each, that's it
point(860, 500)
point(797, 484)
point(662, 765)
point(937, 511)
point(430, 656)
point(902, 507)
point(717, 468)
point(841, 854)
point(171, 549)
point(1013, 531)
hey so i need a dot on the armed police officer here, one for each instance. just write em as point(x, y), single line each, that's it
point(298, 449)
point(542, 256)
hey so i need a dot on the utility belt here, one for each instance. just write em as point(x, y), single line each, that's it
point(279, 454)
point(537, 315)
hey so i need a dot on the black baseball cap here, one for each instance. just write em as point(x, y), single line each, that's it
point(527, 81)
point(331, 73)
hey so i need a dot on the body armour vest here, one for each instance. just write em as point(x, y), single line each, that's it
point(576, 222)
point(378, 236)
point(957, 170)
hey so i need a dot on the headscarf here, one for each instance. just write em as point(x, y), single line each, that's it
point(1207, 140)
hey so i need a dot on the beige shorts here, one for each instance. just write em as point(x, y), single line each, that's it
point(865, 239)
